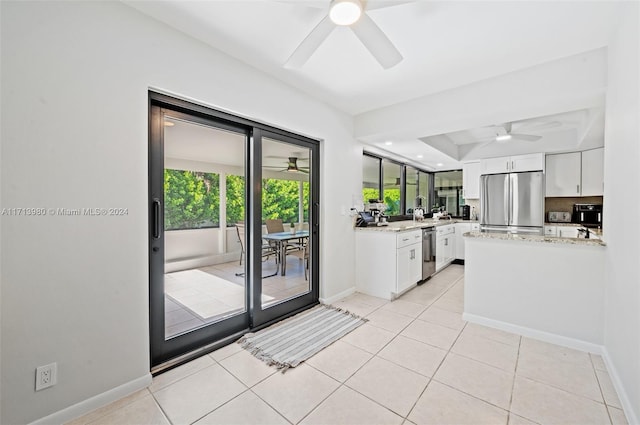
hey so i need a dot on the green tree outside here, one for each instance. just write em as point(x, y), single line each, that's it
point(192, 199)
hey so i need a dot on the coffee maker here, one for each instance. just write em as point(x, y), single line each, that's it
point(377, 208)
point(466, 212)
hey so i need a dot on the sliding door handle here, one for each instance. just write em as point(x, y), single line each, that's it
point(157, 219)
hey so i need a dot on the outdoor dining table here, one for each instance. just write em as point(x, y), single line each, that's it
point(281, 239)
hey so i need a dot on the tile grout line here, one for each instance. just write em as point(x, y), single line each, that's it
point(513, 382)
point(431, 379)
point(606, 406)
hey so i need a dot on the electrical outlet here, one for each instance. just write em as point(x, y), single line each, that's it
point(46, 376)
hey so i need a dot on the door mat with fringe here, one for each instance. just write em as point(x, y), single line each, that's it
point(292, 341)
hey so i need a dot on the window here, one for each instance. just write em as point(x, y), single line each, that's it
point(192, 199)
point(235, 199)
point(448, 191)
point(281, 199)
point(400, 195)
point(391, 173)
point(370, 178)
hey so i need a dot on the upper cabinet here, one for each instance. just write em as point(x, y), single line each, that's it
point(575, 173)
point(593, 172)
point(471, 180)
point(563, 174)
point(512, 164)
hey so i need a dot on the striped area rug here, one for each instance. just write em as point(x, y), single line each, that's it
point(292, 341)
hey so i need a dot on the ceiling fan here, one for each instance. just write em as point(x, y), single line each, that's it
point(351, 13)
point(292, 166)
point(503, 133)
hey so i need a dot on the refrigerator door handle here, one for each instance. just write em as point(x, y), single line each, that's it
point(507, 201)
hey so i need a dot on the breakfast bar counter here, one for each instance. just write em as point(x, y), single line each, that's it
point(544, 287)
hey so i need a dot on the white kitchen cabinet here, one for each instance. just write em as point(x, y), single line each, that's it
point(512, 164)
point(592, 172)
point(445, 246)
point(461, 229)
point(551, 231)
point(471, 180)
point(563, 174)
point(408, 266)
point(387, 262)
point(568, 231)
point(575, 174)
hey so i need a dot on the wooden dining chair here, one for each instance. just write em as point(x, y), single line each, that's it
point(274, 225)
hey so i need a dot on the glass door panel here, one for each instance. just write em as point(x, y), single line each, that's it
point(204, 279)
point(285, 218)
point(289, 226)
point(198, 285)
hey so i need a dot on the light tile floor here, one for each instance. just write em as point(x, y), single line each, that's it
point(415, 362)
point(180, 318)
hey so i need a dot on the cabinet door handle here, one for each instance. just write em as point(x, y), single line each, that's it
point(413, 254)
point(404, 240)
point(507, 165)
point(577, 188)
point(513, 165)
point(446, 242)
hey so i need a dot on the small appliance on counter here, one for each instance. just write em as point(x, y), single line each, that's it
point(559, 217)
point(373, 214)
point(466, 212)
point(588, 215)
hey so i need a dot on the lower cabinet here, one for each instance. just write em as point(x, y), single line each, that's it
point(408, 266)
point(387, 263)
point(562, 231)
point(445, 246)
point(461, 229)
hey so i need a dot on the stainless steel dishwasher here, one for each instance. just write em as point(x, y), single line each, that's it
point(428, 252)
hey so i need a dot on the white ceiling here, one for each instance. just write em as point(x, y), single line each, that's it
point(194, 142)
point(445, 44)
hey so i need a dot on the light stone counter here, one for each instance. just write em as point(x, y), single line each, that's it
point(406, 225)
point(534, 238)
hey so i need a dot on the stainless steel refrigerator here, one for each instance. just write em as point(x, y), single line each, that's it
point(512, 202)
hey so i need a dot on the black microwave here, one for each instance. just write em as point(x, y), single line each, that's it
point(588, 215)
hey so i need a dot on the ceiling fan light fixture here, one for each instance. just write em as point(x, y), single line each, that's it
point(345, 12)
point(503, 138)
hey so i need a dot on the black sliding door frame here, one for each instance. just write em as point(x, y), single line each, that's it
point(209, 337)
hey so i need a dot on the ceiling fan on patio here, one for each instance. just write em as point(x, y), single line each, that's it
point(352, 14)
point(292, 166)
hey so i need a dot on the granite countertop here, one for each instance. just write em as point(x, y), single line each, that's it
point(406, 225)
point(534, 238)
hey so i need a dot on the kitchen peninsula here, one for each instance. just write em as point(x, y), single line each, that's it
point(545, 287)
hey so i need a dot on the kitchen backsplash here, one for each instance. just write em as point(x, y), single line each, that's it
point(566, 204)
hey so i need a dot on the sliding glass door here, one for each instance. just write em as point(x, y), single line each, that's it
point(217, 186)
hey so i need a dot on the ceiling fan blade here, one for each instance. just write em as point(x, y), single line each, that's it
point(526, 137)
point(376, 42)
point(379, 4)
point(310, 44)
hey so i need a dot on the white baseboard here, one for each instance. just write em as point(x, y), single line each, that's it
point(339, 296)
point(627, 406)
point(93, 403)
point(536, 334)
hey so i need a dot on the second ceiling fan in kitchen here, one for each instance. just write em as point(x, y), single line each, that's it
point(353, 14)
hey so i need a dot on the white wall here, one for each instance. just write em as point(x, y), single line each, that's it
point(75, 77)
point(621, 206)
point(531, 288)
